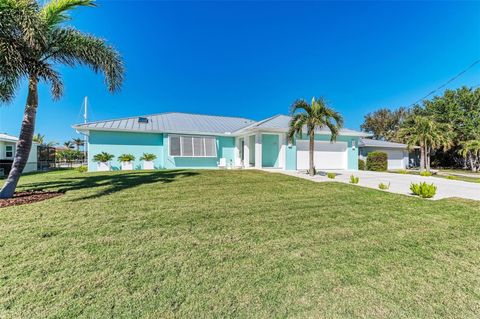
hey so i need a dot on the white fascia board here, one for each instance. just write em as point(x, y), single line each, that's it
point(88, 129)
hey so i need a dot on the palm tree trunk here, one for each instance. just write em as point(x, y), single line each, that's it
point(427, 158)
point(25, 140)
point(422, 158)
point(311, 154)
point(472, 162)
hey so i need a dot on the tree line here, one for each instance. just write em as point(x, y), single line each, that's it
point(446, 128)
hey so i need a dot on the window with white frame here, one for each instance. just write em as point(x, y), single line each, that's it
point(9, 151)
point(192, 146)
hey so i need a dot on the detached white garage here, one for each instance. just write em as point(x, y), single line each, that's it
point(397, 153)
point(327, 155)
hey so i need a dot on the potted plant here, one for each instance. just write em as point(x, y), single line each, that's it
point(126, 161)
point(148, 159)
point(103, 161)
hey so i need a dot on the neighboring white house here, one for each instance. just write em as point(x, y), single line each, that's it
point(398, 154)
point(8, 147)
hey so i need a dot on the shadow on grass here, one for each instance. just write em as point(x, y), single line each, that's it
point(112, 182)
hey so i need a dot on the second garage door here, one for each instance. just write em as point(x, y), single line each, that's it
point(327, 155)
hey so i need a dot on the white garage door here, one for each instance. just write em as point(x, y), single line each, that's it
point(395, 159)
point(327, 155)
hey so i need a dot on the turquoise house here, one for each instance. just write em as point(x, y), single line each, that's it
point(181, 140)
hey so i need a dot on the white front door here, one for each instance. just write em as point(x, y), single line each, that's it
point(327, 155)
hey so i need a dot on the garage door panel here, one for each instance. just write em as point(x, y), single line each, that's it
point(395, 159)
point(327, 155)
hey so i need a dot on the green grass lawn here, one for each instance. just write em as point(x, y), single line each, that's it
point(235, 244)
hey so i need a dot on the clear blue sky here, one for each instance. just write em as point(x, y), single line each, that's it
point(252, 59)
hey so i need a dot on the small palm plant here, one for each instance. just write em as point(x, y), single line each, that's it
point(312, 117)
point(126, 158)
point(103, 157)
point(148, 157)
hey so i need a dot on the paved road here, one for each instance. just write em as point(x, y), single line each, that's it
point(400, 183)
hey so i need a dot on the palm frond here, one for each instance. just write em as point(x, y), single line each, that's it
point(8, 87)
point(56, 11)
point(72, 47)
point(46, 73)
point(299, 105)
point(296, 125)
point(19, 21)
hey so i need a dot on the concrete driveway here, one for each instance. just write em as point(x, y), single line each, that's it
point(400, 183)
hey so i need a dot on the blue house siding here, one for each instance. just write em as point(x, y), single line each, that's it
point(118, 143)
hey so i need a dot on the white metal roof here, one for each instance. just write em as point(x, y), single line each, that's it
point(172, 123)
point(281, 123)
point(187, 123)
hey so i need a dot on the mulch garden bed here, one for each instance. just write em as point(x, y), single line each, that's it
point(28, 197)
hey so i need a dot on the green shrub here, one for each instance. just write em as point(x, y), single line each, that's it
point(423, 189)
point(126, 158)
point(377, 161)
point(331, 175)
point(103, 157)
point(425, 173)
point(148, 157)
point(383, 186)
point(354, 179)
point(361, 164)
point(82, 169)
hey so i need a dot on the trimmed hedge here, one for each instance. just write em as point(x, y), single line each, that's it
point(377, 161)
point(361, 164)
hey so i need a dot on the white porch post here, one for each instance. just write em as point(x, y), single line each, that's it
point(246, 151)
point(258, 150)
point(282, 160)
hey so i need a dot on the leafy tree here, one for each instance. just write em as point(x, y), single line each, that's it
point(33, 40)
point(460, 108)
point(384, 123)
point(313, 116)
point(425, 132)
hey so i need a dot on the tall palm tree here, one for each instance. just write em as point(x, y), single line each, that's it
point(425, 132)
point(471, 150)
point(33, 40)
point(313, 116)
point(78, 142)
point(68, 144)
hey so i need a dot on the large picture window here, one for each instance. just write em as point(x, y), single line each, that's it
point(192, 146)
